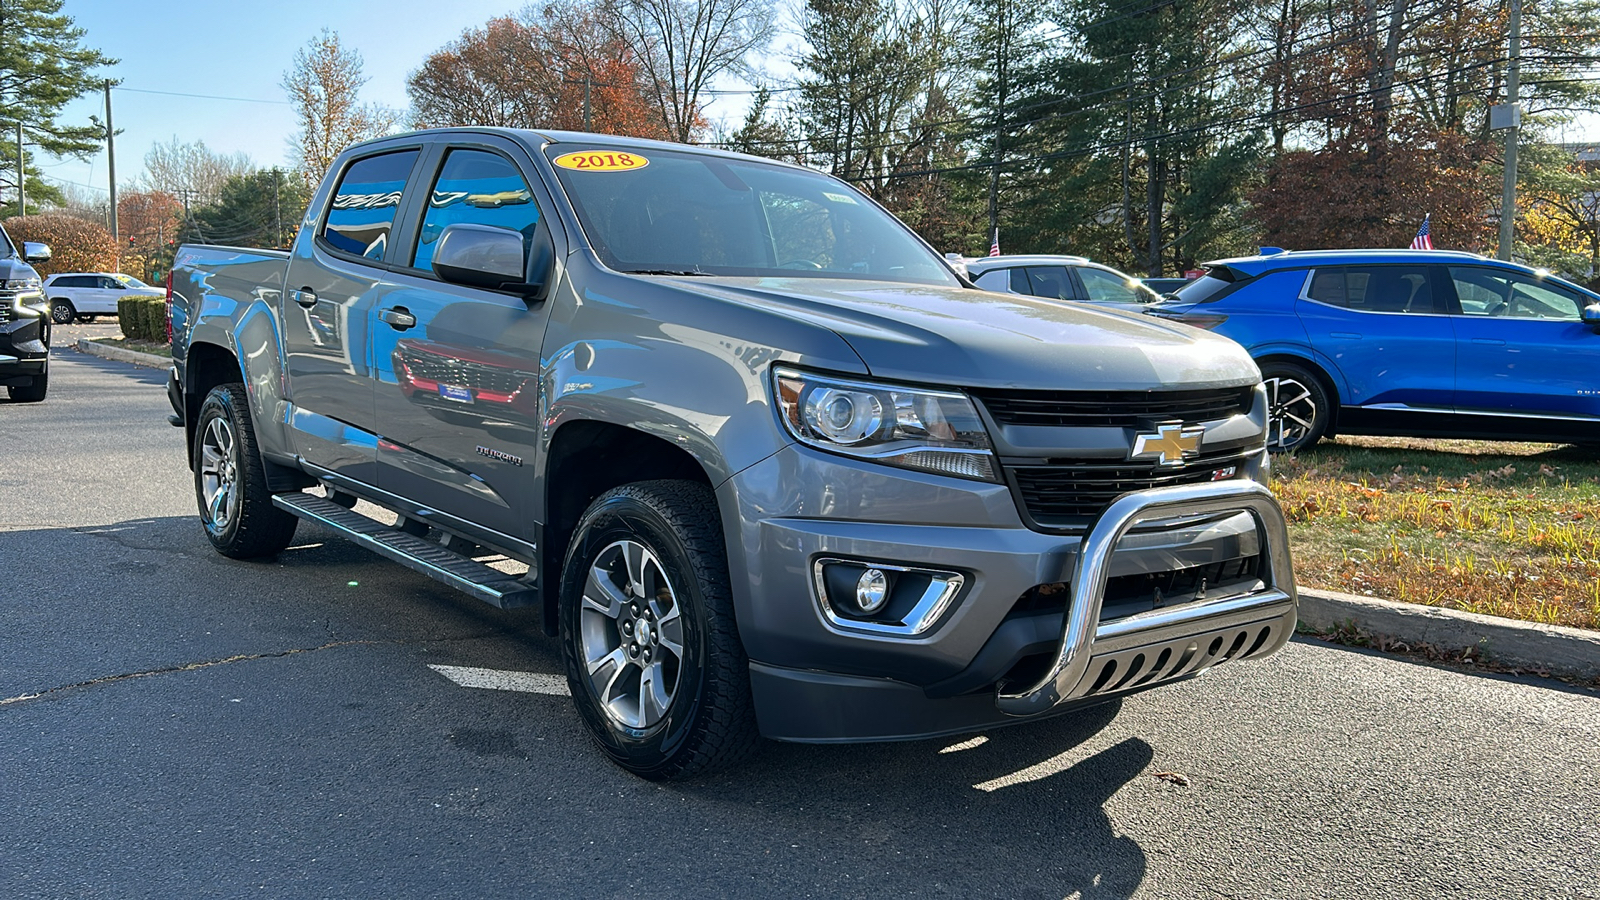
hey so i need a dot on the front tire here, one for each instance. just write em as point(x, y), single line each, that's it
point(653, 655)
point(230, 483)
point(34, 392)
point(1299, 407)
point(62, 312)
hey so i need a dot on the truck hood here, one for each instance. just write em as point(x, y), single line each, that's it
point(973, 338)
point(15, 267)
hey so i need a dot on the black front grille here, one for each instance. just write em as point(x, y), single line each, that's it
point(1070, 495)
point(1116, 409)
point(462, 373)
point(5, 310)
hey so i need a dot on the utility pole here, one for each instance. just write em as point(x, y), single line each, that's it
point(22, 177)
point(1002, 52)
point(111, 157)
point(587, 123)
point(277, 215)
point(1511, 120)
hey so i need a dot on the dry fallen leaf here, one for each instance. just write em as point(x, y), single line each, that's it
point(1177, 778)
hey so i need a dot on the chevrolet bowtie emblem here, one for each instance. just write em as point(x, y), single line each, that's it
point(1171, 442)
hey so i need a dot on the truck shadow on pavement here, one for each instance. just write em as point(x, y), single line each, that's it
point(1014, 812)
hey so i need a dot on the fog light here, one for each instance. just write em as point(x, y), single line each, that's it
point(872, 591)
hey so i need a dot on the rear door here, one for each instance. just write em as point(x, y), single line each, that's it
point(1386, 329)
point(334, 281)
point(458, 394)
point(1521, 349)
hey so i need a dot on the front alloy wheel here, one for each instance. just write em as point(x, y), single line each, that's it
point(1297, 408)
point(632, 634)
point(653, 656)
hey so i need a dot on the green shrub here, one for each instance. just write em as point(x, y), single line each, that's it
point(143, 318)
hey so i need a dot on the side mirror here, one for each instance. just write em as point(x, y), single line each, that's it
point(1591, 317)
point(35, 252)
point(487, 257)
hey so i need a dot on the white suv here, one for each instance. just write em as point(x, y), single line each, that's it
point(84, 295)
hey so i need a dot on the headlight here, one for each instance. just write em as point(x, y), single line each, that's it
point(20, 284)
point(914, 428)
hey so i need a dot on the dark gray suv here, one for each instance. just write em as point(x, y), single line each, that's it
point(24, 322)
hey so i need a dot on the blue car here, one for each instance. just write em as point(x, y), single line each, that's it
point(1407, 342)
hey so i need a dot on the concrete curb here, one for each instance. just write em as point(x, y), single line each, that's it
point(1525, 645)
point(149, 360)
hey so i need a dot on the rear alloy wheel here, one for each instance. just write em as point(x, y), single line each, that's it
point(654, 660)
point(1298, 408)
point(61, 312)
point(230, 483)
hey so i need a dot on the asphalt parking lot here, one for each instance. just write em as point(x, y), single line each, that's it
point(175, 724)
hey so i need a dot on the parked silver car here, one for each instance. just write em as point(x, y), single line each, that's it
point(1060, 278)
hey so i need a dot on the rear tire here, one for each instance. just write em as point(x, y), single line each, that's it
point(62, 312)
point(34, 392)
point(230, 483)
point(1299, 407)
point(654, 660)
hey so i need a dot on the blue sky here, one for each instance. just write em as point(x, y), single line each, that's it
point(240, 50)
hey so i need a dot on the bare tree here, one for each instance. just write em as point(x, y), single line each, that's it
point(324, 84)
point(191, 169)
point(682, 45)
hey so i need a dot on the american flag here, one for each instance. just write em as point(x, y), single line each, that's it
point(1423, 240)
point(994, 248)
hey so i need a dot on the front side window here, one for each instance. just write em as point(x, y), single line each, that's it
point(667, 212)
point(364, 204)
point(481, 188)
point(1111, 287)
point(1504, 294)
point(1389, 289)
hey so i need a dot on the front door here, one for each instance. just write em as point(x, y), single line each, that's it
point(458, 367)
point(333, 283)
point(1522, 350)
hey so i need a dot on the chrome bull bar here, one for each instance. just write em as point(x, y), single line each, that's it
point(1082, 633)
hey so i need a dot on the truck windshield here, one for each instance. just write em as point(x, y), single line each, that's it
point(665, 212)
point(7, 249)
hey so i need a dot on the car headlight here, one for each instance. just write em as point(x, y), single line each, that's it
point(914, 428)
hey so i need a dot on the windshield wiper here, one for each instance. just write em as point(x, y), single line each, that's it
point(664, 272)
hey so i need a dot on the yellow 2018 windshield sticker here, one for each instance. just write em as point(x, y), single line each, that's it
point(601, 161)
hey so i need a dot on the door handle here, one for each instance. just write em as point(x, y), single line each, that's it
point(399, 317)
point(306, 297)
point(1492, 342)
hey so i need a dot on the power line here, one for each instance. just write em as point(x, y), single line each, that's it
point(200, 96)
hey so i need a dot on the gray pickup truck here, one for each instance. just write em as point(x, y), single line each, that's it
point(763, 462)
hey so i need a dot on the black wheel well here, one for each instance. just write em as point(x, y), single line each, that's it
point(207, 365)
point(585, 460)
point(1317, 372)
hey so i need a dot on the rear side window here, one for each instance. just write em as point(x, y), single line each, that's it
point(1388, 289)
point(480, 188)
point(365, 202)
point(1207, 288)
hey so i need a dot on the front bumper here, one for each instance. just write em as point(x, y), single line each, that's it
point(987, 661)
point(24, 343)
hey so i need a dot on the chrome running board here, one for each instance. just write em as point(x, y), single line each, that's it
point(460, 572)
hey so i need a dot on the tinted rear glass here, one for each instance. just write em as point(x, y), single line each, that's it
point(364, 205)
point(1206, 288)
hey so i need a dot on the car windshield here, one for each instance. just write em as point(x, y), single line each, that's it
point(664, 212)
point(7, 249)
point(130, 281)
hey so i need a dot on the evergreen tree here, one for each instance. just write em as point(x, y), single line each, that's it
point(43, 67)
